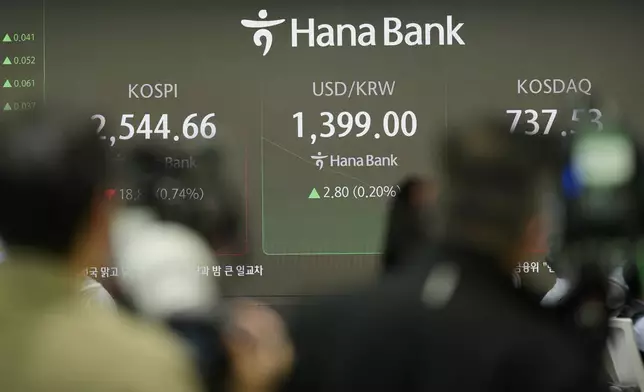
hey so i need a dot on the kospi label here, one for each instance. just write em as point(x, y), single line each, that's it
point(392, 32)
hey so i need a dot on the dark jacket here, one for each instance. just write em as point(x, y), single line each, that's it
point(406, 227)
point(485, 336)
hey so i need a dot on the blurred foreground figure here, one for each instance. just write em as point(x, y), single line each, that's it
point(163, 284)
point(96, 295)
point(54, 223)
point(634, 304)
point(408, 224)
point(456, 322)
point(162, 260)
point(261, 354)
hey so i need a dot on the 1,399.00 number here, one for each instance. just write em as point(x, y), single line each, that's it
point(342, 124)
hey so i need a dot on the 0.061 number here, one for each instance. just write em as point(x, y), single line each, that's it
point(533, 117)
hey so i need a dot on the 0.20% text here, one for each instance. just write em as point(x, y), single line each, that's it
point(356, 192)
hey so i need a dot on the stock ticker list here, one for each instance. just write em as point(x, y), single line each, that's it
point(22, 59)
point(321, 111)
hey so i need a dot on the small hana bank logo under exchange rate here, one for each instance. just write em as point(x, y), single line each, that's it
point(325, 35)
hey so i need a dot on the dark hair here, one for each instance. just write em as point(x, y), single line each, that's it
point(633, 280)
point(406, 229)
point(491, 182)
point(52, 167)
point(406, 194)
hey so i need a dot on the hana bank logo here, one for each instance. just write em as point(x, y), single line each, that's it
point(263, 36)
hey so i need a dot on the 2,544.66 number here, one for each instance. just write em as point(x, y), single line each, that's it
point(190, 129)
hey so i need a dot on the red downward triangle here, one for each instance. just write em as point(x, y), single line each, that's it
point(109, 193)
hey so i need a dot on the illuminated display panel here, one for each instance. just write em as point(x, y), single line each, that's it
point(365, 86)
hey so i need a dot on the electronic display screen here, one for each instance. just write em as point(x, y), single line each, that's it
point(322, 108)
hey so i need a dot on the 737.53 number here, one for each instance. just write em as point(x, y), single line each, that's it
point(531, 117)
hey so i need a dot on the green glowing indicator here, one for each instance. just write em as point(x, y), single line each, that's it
point(314, 194)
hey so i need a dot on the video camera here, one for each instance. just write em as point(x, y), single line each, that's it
point(602, 183)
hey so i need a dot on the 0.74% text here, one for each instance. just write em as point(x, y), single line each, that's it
point(164, 194)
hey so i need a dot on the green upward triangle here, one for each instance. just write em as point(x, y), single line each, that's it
point(6, 61)
point(6, 38)
point(7, 84)
point(314, 194)
point(7, 107)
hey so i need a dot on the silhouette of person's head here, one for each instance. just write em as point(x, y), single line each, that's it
point(493, 186)
point(408, 221)
point(52, 172)
point(633, 281)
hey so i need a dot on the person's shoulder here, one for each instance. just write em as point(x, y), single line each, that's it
point(91, 345)
point(552, 362)
point(95, 294)
point(545, 349)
